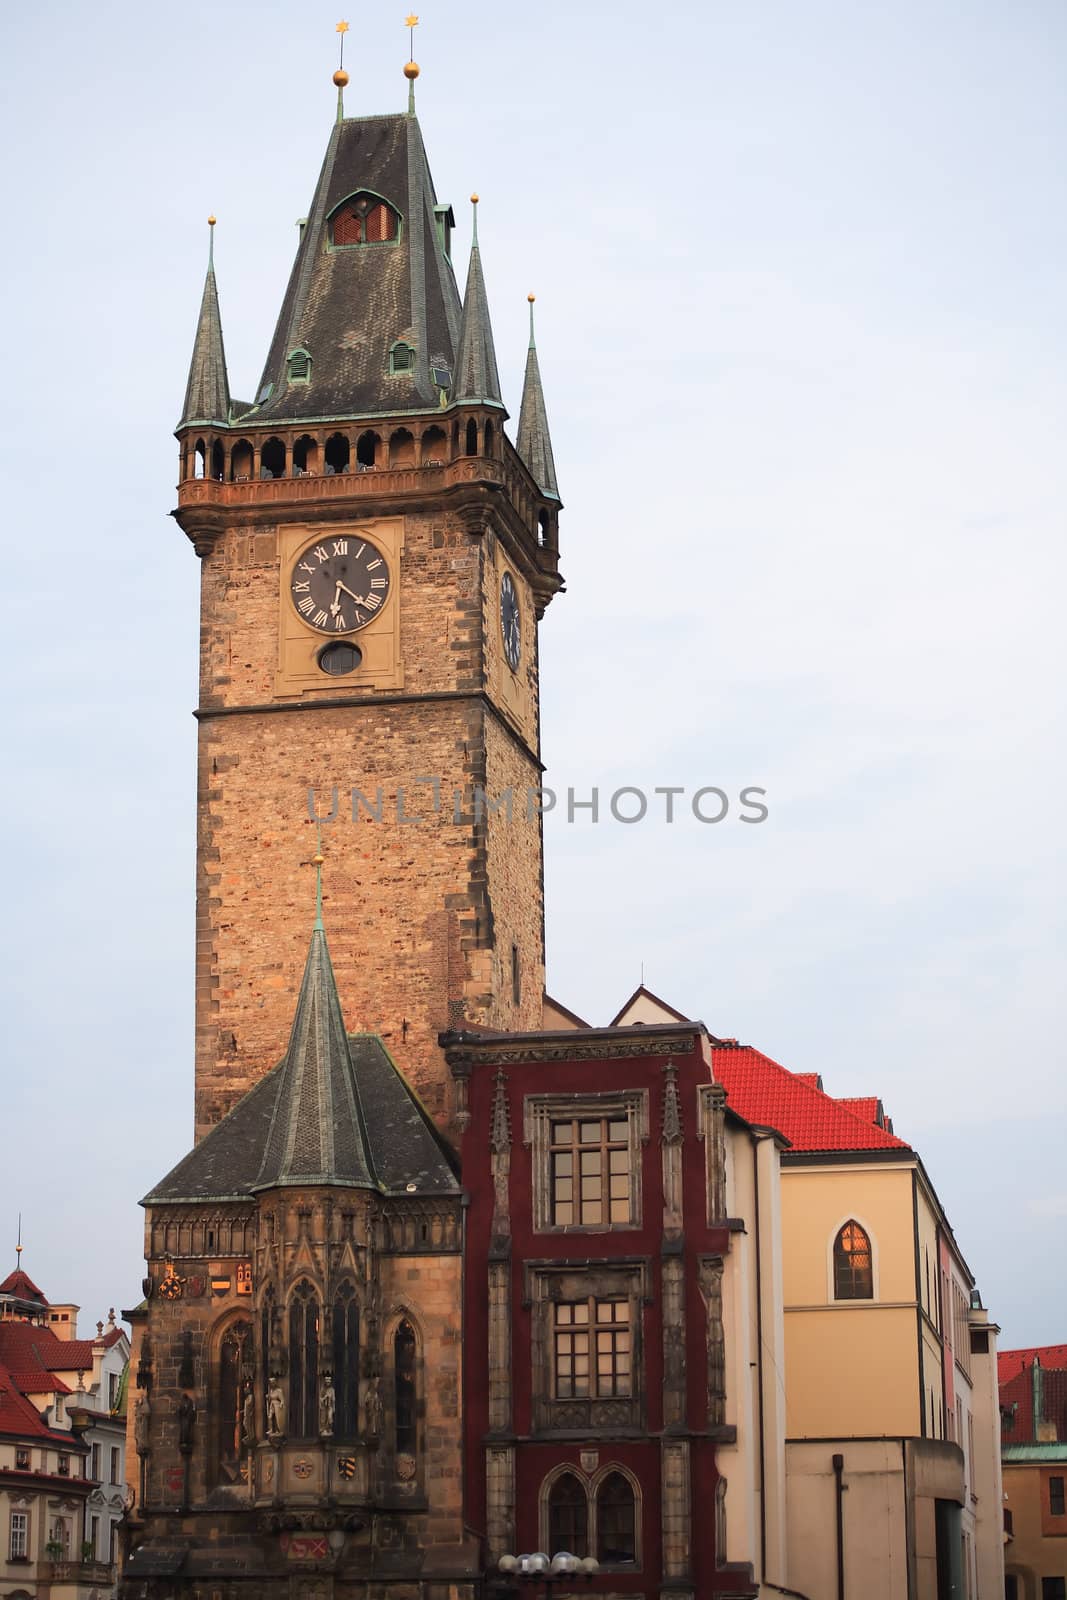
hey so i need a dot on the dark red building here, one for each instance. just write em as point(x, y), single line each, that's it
point(594, 1163)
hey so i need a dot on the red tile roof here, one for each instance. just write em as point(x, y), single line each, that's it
point(867, 1107)
point(22, 1287)
point(19, 1417)
point(765, 1093)
point(1011, 1362)
point(812, 1079)
point(39, 1382)
point(25, 1346)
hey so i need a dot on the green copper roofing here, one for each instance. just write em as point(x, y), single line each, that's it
point(207, 394)
point(532, 441)
point(475, 377)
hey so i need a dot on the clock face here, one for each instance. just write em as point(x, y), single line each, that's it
point(509, 621)
point(339, 585)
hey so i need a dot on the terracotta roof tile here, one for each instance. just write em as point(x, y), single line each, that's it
point(19, 1417)
point(24, 1346)
point(39, 1382)
point(867, 1107)
point(1012, 1362)
point(765, 1093)
point(21, 1285)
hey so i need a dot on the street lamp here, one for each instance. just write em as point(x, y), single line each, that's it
point(541, 1568)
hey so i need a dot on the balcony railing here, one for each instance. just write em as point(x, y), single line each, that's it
point(101, 1574)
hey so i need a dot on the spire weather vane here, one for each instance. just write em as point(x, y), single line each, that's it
point(411, 22)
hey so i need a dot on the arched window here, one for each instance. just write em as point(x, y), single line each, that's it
point(488, 438)
point(218, 460)
point(853, 1266)
point(472, 437)
point(304, 1363)
point(367, 448)
point(616, 1521)
point(568, 1516)
point(346, 1363)
point(364, 219)
point(235, 1360)
point(199, 459)
point(405, 1389)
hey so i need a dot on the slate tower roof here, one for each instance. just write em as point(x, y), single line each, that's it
point(207, 394)
point(348, 304)
point(476, 377)
point(533, 442)
point(334, 1111)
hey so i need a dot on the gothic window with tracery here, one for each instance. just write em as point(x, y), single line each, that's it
point(346, 1362)
point(304, 1363)
point(404, 1350)
point(235, 1356)
point(616, 1521)
point(568, 1516)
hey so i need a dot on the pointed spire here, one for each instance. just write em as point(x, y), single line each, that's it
point(533, 441)
point(475, 377)
point(207, 394)
point(317, 1132)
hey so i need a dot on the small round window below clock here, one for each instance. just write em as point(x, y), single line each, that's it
point(337, 659)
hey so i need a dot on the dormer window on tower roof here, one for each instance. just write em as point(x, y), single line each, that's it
point(364, 219)
point(298, 366)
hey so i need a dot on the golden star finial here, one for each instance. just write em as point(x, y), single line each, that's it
point(342, 27)
point(412, 21)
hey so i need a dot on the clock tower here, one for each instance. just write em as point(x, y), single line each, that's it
point(376, 556)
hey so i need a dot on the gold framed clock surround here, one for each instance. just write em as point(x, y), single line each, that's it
point(299, 644)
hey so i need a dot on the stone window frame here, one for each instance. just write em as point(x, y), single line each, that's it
point(592, 1484)
point(547, 1282)
point(539, 1111)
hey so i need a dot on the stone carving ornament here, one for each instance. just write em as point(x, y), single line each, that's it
point(275, 1409)
point(327, 1405)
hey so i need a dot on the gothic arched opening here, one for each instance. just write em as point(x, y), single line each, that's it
point(272, 459)
point(367, 448)
point(434, 447)
point(472, 438)
point(338, 453)
point(405, 1389)
point(402, 449)
point(241, 458)
point(304, 1363)
point(568, 1516)
point(306, 455)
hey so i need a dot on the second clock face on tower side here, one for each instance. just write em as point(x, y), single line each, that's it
point(510, 625)
point(339, 584)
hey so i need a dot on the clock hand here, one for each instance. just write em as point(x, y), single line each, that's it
point(335, 604)
point(357, 598)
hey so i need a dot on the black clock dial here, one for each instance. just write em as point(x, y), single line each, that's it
point(510, 625)
point(339, 584)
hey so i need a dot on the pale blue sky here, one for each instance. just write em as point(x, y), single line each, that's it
point(801, 319)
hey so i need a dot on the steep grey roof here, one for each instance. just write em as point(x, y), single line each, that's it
point(317, 1132)
point(336, 1110)
point(532, 441)
point(207, 394)
point(475, 376)
point(347, 307)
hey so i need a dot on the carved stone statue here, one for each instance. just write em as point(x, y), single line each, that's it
point(248, 1417)
point(373, 1410)
point(275, 1407)
point(327, 1405)
point(142, 1421)
point(186, 1423)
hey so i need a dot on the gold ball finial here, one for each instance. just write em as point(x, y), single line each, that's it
point(531, 298)
point(211, 222)
point(411, 70)
point(317, 859)
point(474, 199)
point(340, 78)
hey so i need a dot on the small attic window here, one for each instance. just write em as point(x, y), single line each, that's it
point(401, 357)
point(298, 366)
point(364, 219)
